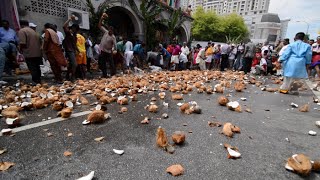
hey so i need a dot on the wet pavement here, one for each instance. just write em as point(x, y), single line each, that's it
point(262, 141)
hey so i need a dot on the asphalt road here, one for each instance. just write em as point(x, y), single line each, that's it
point(262, 141)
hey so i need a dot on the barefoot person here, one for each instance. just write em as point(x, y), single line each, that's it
point(295, 61)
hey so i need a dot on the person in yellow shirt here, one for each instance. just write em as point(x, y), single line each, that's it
point(81, 57)
point(209, 55)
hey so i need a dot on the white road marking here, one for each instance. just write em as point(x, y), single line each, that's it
point(311, 86)
point(43, 123)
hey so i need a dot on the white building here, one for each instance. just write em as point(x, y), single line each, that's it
point(284, 28)
point(267, 27)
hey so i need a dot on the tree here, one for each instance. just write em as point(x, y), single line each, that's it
point(174, 22)
point(94, 17)
point(209, 26)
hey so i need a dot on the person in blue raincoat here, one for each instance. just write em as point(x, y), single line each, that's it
point(295, 61)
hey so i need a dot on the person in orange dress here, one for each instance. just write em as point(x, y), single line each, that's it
point(81, 57)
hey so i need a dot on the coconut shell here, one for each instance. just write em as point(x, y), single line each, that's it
point(222, 100)
point(316, 166)
point(178, 137)
point(14, 108)
point(235, 129)
point(123, 101)
point(184, 107)
point(300, 164)
point(304, 108)
point(9, 114)
point(219, 89)
point(177, 97)
point(162, 140)
point(134, 97)
point(39, 104)
point(153, 108)
point(83, 100)
point(96, 116)
point(65, 113)
point(175, 170)
point(239, 86)
point(227, 130)
point(57, 106)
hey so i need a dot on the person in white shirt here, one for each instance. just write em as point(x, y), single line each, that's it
point(129, 57)
point(183, 59)
point(128, 46)
point(232, 55)
point(285, 43)
point(201, 58)
point(185, 50)
point(60, 35)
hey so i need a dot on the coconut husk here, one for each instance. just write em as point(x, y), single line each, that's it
point(39, 104)
point(57, 106)
point(271, 89)
point(304, 108)
point(178, 137)
point(153, 108)
point(235, 129)
point(316, 166)
point(123, 101)
point(227, 130)
point(96, 116)
point(84, 100)
point(9, 114)
point(219, 89)
point(239, 86)
point(300, 164)
point(123, 109)
point(14, 108)
point(162, 95)
point(177, 97)
point(161, 140)
point(175, 170)
point(222, 100)
point(65, 113)
point(184, 107)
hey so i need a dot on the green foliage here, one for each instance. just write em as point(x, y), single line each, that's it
point(94, 17)
point(174, 22)
point(209, 26)
point(150, 11)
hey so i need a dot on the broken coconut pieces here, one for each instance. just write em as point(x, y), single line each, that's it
point(300, 164)
point(222, 100)
point(233, 152)
point(228, 129)
point(65, 113)
point(175, 170)
point(96, 116)
point(178, 137)
point(161, 139)
point(189, 108)
point(234, 106)
point(87, 177)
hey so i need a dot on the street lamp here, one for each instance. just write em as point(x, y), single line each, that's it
point(308, 25)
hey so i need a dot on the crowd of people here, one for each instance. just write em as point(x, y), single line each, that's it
point(76, 51)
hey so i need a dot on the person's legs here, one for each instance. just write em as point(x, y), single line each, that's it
point(89, 64)
point(56, 69)
point(102, 63)
point(2, 62)
point(34, 68)
point(224, 59)
point(285, 87)
point(111, 62)
point(231, 61)
point(317, 68)
point(72, 64)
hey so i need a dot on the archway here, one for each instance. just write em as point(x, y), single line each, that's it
point(182, 35)
point(124, 22)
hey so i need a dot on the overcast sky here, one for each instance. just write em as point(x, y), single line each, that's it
point(298, 10)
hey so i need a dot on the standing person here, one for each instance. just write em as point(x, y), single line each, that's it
point(184, 49)
point(7, 35)
point(311, 42)
point(89, 53)
point(237, 66)
point(120, 53)
point(285, 44)
point(295, 61)
point(53, 51)
point(209, 55)
point(166, 56)
point(315, 58)
point(7, 51)
point(217, 56)
point(232, 55)
point(70, 48)
point(138, 51)
point(108, 42)
point(225, 50)
point(201, 58)
point(60, 35)
point(175, 56)
point(248, 57)
point(30, 47)
point(128, 46)
point(81, 56)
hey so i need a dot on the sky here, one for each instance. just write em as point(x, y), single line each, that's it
point(298, 10)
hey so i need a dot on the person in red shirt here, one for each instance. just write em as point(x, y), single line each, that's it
point(257, 58)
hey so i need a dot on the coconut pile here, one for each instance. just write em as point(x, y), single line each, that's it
point(128, 88)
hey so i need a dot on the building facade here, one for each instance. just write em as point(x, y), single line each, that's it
point(126, 19)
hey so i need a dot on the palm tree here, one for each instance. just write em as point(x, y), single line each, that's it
point(175, 22)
